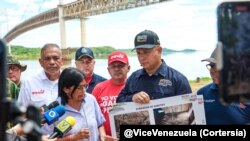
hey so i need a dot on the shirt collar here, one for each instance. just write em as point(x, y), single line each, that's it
point(43, 76)
point(161, 70)
point(214, 86)
point(70, 108)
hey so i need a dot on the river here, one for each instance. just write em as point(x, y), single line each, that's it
point(187, 63)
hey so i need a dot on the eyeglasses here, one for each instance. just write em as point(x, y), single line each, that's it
point(13, 68)
point(211, 66)
point(119, 66)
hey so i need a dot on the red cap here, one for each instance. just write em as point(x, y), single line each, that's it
point(118, 56)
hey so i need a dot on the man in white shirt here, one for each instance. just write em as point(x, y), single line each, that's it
point(42, 88)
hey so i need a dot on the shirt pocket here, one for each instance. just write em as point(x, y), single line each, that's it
point(39, 98)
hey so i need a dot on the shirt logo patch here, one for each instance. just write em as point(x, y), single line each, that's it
point(84, 50)
point(38, 92)
point(142, 38)
point(209, 100)
point(165, 82)
point(117, 56)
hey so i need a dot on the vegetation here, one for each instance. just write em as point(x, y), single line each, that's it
point(31, 53)
point(21, 52)
point(199, 82)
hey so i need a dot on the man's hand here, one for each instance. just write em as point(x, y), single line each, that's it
point(108, 138)
point(141, 97)
point(82, 134)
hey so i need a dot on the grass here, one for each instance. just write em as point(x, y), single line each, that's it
point(199, 82)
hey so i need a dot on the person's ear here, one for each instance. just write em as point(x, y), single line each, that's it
point(108, 70)
point(159, 49)
point(128, 68)
point(66, 90)
point(40, 61)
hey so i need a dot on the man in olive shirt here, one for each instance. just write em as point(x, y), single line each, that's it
point(15, 69)
point(12, 90)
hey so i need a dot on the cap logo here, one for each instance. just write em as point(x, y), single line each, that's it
point(117, 56)
point(142, 38)
point(84, 50)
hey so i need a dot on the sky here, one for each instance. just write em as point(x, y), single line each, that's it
point(180, 24)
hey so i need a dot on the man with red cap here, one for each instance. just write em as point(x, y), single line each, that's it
point(107, 91)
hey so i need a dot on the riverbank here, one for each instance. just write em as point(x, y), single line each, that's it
point(198, 83)
point(101, 52)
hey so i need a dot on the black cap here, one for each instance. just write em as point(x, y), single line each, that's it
point(84, 51)
point(146, 39)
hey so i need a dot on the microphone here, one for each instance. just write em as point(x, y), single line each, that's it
point(63, 127)
point(51, 105)
point(53, 114)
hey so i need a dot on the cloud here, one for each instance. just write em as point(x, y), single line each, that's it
point(180, 24)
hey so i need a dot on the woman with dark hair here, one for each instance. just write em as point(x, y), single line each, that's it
point(80, 105)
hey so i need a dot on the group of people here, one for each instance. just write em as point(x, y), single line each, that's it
point(88, 96)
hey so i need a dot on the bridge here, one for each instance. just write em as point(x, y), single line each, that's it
point(79, 9)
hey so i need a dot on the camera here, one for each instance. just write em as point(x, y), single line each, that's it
point(3, 87)
point(233, 20)
point(11, 111)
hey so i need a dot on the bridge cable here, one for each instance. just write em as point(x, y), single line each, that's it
point(25, 10)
